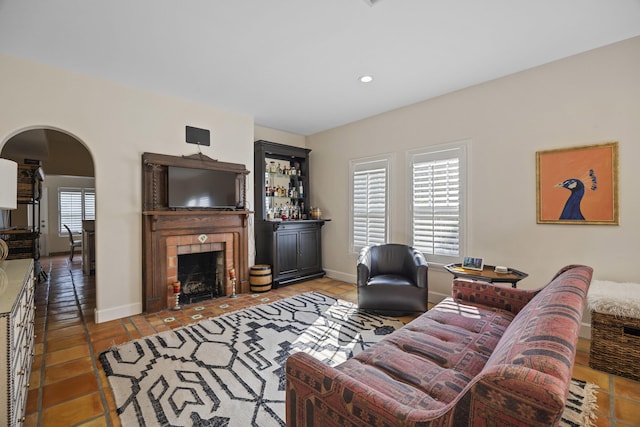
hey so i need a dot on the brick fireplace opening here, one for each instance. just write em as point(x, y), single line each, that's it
point(200, 262)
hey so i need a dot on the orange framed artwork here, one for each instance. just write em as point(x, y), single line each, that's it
point(578, 185)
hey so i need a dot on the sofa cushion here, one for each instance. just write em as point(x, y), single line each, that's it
point(427, 363)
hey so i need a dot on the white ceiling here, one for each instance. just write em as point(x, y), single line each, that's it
point(293, 64)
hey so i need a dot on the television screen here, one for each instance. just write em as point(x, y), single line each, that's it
point(201, 188)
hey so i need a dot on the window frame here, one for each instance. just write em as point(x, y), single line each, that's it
point(461, 150)
point(368, 164)
point(84, 215)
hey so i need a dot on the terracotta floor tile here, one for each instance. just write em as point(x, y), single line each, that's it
point(61, 343)
point(73, 411)
point(628, 388)
point(111, 331)
point(98, 422)
point(603, 422)
point(66, 355)
point(65, 330)
point(603, 400)
point(626, 410)
point(32, 400)
point(61, 371)
point(68, 389)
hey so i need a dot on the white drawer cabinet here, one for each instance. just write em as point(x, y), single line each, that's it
point(17, 314)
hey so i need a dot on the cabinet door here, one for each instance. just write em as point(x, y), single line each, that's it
point(287, 247)
point(309, 250)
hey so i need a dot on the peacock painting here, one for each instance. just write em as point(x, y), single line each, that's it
point(571, 210)
point(567, 191)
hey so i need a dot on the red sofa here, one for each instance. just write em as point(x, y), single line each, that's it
point(488, 355)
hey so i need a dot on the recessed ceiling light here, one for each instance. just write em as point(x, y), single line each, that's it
point(366, 79)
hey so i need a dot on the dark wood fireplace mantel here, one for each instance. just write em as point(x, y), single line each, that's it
point(165, 230)
point(159, 227)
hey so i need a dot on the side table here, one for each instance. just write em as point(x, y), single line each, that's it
point(488, 274)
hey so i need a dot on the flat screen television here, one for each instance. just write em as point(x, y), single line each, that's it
point(202, 188)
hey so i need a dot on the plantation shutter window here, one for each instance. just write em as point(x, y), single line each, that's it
point(437, 203)
point(370, 203)
point(75, 205)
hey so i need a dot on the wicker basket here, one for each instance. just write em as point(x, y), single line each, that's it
point(615, 345)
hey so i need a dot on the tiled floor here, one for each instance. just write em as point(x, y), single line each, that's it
point(69, 388)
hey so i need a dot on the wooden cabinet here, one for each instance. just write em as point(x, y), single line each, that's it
point(287, 238)
point(17, 312)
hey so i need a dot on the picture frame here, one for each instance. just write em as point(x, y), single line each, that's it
point(472, 263)
point(578, 185)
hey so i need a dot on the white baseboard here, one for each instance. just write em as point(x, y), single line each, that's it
point(120, 312)
point(338, 275)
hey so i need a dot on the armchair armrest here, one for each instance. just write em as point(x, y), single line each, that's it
point(418, 264)
point(491, 295)
point(364, 266)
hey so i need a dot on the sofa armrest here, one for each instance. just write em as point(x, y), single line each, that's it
point(321, 396)
point(491, 294)
point(504, 393)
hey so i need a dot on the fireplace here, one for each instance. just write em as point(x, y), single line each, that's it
point(168, 233)
point(201, 275)
point(201, 268)
point(170, 236)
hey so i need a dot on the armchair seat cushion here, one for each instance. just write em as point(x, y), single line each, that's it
point(390, 280)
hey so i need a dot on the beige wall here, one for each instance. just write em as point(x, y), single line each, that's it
point(279, 136)
point(117, 124)
point(587, 99)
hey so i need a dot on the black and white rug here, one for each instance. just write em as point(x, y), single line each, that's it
point(229, 370)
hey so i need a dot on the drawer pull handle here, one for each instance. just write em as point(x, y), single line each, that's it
point(20, 325)
point(20, 372)
point(629, 330)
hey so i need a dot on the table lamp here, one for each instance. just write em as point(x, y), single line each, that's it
point(8, 194)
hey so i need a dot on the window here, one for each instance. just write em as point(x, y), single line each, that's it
point(438, 181)
point(370, 202)
point(74, 205)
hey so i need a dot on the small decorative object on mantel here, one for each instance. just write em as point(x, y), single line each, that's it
point(578, 185)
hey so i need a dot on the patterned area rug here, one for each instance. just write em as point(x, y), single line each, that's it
point(229, 370)
point(580, 409)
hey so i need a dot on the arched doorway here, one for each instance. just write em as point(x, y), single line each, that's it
point(68, 189)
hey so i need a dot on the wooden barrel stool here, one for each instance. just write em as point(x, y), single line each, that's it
point(260, 278)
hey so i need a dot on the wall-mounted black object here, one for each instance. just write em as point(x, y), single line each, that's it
point(197, 136)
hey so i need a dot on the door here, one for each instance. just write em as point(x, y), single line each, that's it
point(309, 253)
point(287, 247)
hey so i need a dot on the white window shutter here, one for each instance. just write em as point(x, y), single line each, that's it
point(437, 202)
point(370, 203)
point(74, 205)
